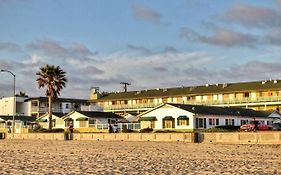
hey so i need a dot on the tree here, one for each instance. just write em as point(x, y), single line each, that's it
point(21, 94)
point(54, 80)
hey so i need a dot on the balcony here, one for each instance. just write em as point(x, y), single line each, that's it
point(243, 101)
point(45, 109)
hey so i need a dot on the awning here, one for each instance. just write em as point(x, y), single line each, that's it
point(42, 120)
point(68, 119)
point(182, 117)
point(148, 119)
point(168, 118)
point(82, 119)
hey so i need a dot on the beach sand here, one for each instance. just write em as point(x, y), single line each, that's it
point(106, 157)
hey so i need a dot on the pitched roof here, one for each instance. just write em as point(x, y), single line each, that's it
point(18, 117)
point(70, 100)
point(195, 90)
point(213, 110)
point(231, 111)
point(97, 114)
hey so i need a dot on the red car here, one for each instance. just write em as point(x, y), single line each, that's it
point(255, 125)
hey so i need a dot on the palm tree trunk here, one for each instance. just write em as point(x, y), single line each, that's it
point(50, 112)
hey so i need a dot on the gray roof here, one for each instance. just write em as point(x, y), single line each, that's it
point(97, 114)
point(18, 117)
point(230, 111)
point(195, 90)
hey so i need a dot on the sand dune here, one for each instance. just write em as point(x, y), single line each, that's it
point(96, 157)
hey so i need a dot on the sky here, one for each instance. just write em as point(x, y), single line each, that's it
point(150, 44)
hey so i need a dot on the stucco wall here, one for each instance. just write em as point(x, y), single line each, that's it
point(224, 138)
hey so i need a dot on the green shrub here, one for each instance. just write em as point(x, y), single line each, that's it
point(146, 130)
point(125, 130)
point(224, 128)
point(165, 131)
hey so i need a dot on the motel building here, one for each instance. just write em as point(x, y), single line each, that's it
point(257, 95)
point(191, 117)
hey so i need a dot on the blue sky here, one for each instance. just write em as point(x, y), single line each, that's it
point(151, 44)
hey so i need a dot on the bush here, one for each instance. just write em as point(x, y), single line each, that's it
point(125, 130)
point(43, 130)
point(146, 130)
point(165, 131)
point(224, 128)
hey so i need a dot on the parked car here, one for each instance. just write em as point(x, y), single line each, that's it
point(254, 126)
point(276, 126)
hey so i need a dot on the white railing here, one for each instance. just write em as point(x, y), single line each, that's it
point(202, 102)
point(120, 126)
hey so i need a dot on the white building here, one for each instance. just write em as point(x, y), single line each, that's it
point(7, 106)
point(37, 106)
point(191, 117)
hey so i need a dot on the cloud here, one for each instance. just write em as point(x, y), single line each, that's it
point(221, 37)
point(55, 49)
point(273, 38)
point(139, 49)
point(10, 47)
point(253, 16)
point(147, 14)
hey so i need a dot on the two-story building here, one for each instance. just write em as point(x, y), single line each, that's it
point(37, 106)
point(258, 95)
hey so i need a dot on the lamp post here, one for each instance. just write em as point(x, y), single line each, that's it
point(14, 105)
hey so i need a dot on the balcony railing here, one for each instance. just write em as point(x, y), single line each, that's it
point(45, 109)
point(197, 102)
point(120, 126)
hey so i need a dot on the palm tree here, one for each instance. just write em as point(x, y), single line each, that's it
point(53, 78)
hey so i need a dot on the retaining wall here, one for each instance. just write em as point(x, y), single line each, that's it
point(168, 137)
point(266, 137)
point(227, 138)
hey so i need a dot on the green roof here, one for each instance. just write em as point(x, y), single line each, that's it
point(148, 119)
point(82, 119)
point(42, 120)
point(168, 118)
point(182, 117)
point(196, 90)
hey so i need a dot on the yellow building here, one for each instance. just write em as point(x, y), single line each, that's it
point(258, 95)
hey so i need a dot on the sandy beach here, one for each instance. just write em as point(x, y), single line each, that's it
point(104, 157)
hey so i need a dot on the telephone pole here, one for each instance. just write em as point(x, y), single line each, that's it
point(125, 84)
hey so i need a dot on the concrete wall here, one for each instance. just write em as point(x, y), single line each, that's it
point(225, 138)
point(267, 137)
point(165, 137)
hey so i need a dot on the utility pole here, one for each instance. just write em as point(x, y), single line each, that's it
point(125, 84)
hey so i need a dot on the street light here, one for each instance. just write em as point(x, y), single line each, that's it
point(14, 106)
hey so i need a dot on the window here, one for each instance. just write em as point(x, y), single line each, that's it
point(92, 122)
point(67, 106)
point(168, 123)
point(243, 122)
point(201, 123)
point(213, 121)
point(229, 122)
point(147, 124)
point(246, 94)
point(183, 120)
point(83, 123)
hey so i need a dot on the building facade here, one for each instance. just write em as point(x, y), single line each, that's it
point(258, 95)
point(192, 117)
